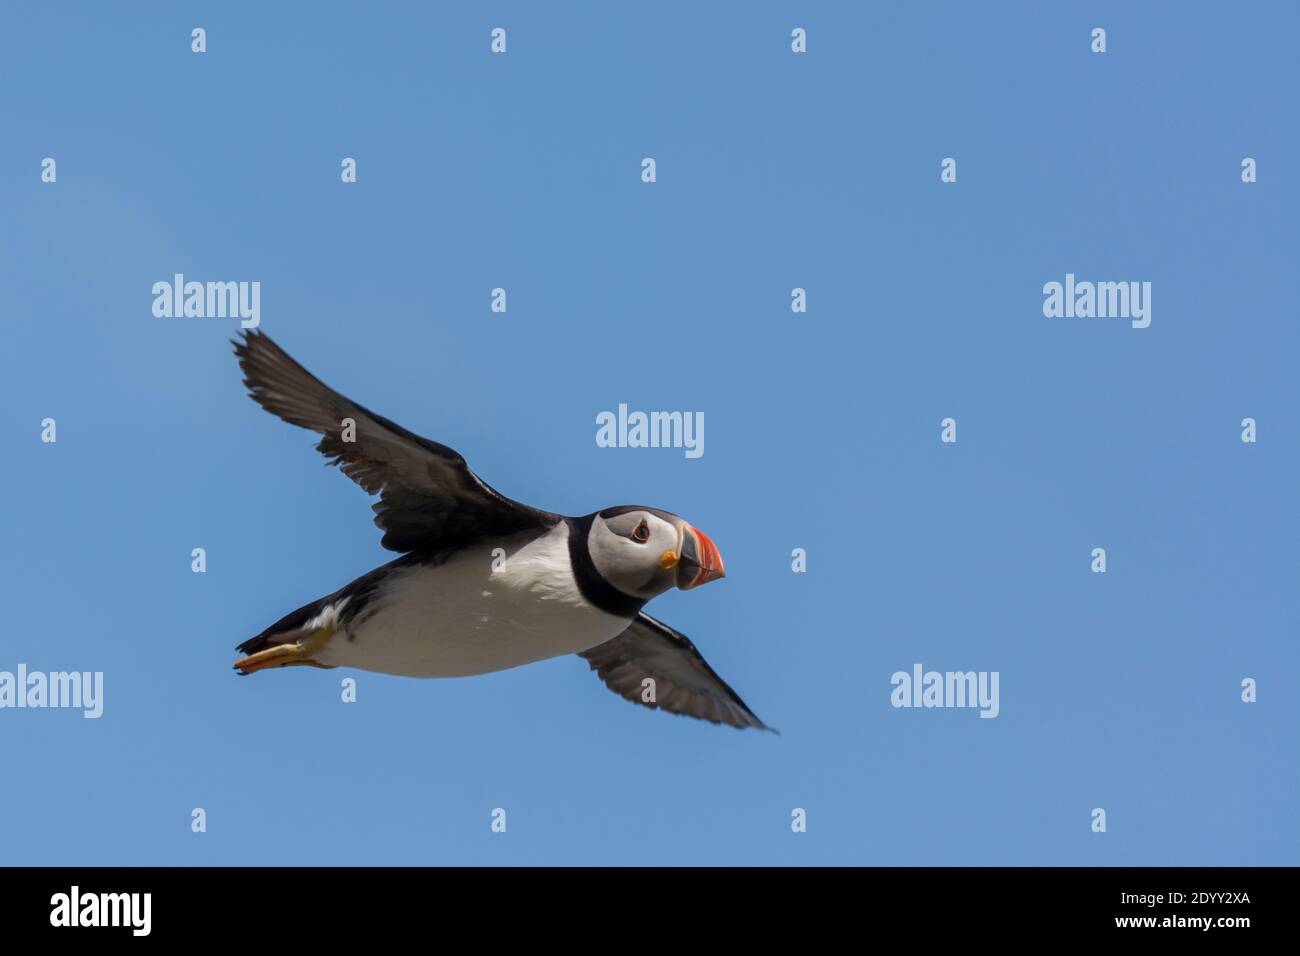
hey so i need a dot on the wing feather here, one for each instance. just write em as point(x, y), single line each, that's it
point(428, 496)
point(684, 683)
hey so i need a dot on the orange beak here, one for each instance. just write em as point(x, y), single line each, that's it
point(701, 562)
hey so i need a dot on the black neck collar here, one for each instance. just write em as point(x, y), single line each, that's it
point(591, 583)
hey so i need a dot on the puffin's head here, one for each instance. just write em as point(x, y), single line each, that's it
point(644, 551)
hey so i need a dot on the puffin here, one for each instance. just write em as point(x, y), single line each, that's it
point(484, 583)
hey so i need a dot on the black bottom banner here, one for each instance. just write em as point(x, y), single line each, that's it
point(330, 905)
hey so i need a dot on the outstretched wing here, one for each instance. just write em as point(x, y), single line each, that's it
point(684, 683)
point(428, 497)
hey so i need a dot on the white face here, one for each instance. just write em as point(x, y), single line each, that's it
point(636, 551)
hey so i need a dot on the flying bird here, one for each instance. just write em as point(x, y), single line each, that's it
point(485, 583)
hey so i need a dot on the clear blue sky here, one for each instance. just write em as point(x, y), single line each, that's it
point(821, 171)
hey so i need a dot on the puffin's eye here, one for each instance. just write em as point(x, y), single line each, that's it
point(641, 533)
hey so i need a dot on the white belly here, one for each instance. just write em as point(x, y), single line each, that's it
point(465, 617)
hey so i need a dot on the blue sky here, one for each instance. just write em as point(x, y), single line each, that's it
point(774, 170)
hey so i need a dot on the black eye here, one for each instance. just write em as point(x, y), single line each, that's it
point(642, 533)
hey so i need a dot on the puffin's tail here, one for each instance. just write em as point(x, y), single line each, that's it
point(266, 640)
point(292, 640)
point(282, 631)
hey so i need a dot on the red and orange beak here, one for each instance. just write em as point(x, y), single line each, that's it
point(699, 562)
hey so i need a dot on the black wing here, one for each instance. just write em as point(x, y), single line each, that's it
point(684, 683)
point(428, 497)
